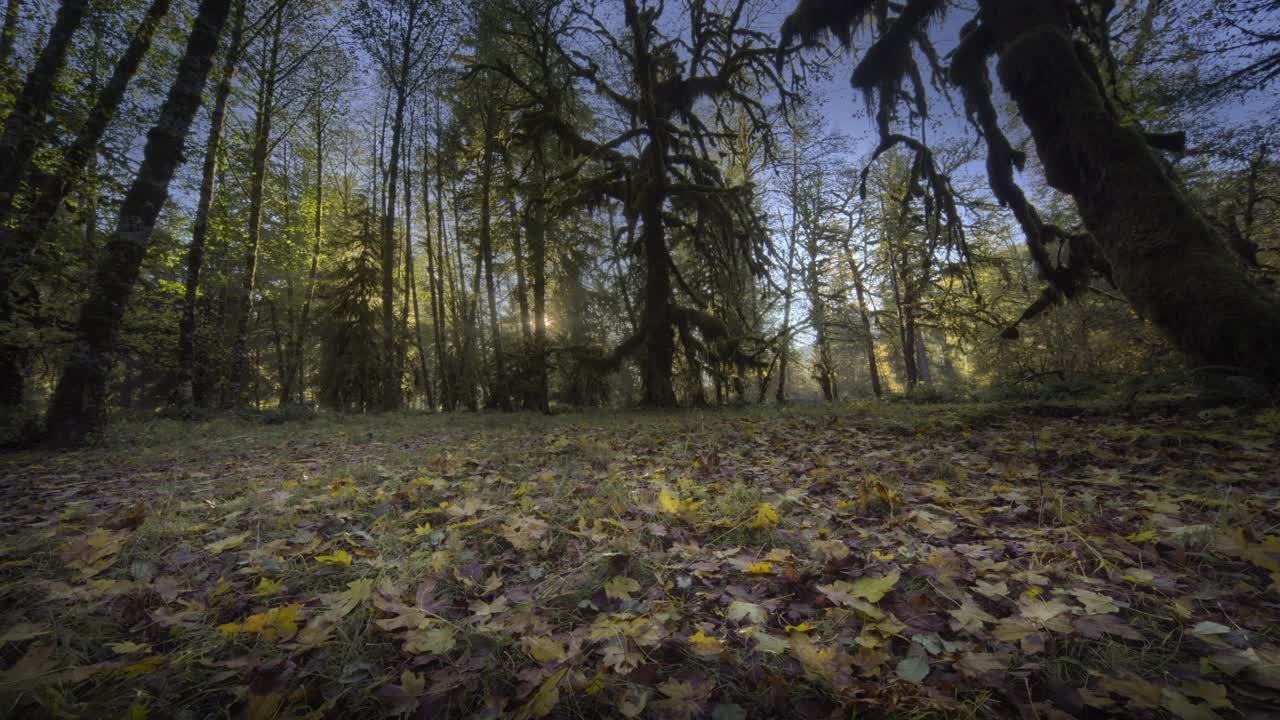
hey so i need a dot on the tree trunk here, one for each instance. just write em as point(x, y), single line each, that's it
point(78, 410)
point(873, 368)
point(391, 395)
point(501, 393)
point(10, 31)
point(536, 397)
point(435, 288)
point(656, 323)
point(17, 146)
point(185, 393)
point(448, 391)
point(257, 181)
point(922, 358)
point(522, 289)
point(47, 195)
point(1171, 264)
point(22, 128)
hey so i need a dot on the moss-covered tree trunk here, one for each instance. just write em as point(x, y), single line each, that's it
point(9, 32)
point(78, 410)
point(655, 316)
point(47, 194)
point(1165, 256)
point(22, 128)
point(17, 146)
point(50, 190)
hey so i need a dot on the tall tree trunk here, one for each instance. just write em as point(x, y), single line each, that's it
point(434, 288)
point(657, 319)
point(10, 31)
point(391, 394)
point(78, 410)
point(1167, 259)
point(873, 367)
point(257, 183)
point(536, 395)
point(501, 388)
point(922, 358)
point(407, 280)
point(449, 390)
point(185, 392)
point(17, 146)
point(50, 190)
point(522, 289)
point(780, 394)
point(22, 127)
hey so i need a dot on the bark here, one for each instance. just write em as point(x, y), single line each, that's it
point(449, 392)
point(1167, 259)
point(257, 182)
point(783, 359)
point(17, 146)
point(49, 192)
point(536, 397)
point(873, 368)
point(78, 410)
point(408, 253)
point(522, 289)
point(391, 393)
point(10, 31)
point(501, 395)
point(185, 392)
point(656, 316)
point(922, 358)
point(22, 128)
point(435, 288)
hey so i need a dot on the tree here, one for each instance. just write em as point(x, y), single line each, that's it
point(406, 40)
point(200, 225)
point(1169, 261)
point(78, 410)
point(47, 192)
point(670, 173)
point(23, 127)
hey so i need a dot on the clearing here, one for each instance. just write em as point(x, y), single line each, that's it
point(897, 561)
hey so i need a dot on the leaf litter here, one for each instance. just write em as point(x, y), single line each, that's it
point(956, 560)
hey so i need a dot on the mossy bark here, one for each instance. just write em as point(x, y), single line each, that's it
point(78, 411)
point(1166, 258)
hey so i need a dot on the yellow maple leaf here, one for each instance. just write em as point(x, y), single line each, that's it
point(275, 624)
point(620, 588)
point(760, 568)
point(766, 516)
point(267, 586)
point(543, 649)
point(704, 645)
point(669, 503)
point(340, 558)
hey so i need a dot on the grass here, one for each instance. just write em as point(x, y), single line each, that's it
point(120, 564)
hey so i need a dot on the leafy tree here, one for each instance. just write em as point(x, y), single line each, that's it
point(78, 409)
point(1143, 231)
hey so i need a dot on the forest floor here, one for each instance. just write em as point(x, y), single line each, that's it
point(884, 560)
